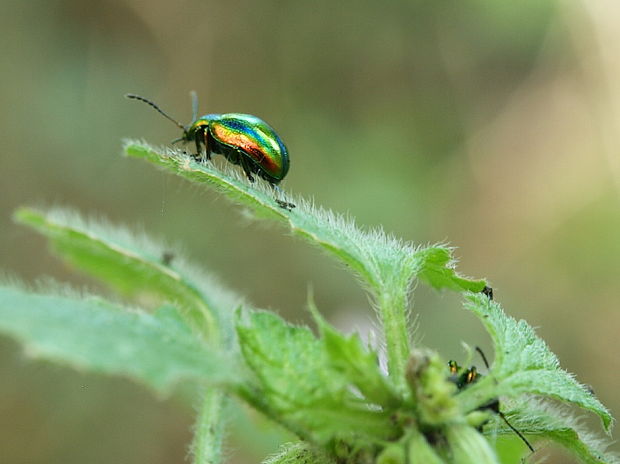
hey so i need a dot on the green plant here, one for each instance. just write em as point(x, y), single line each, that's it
point(329, 390)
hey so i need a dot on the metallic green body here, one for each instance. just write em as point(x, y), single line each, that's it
point(243, 139)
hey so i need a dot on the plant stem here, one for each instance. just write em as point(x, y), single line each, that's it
point(393, 309)
point(206, 447)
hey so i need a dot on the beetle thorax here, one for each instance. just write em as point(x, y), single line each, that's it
point(198, 126)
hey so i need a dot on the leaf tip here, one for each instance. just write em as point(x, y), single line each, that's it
point(26, 215)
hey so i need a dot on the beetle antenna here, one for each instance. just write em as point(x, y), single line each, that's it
point(519, 434)
point(501, 414)
point(157, 108)
point(194, 97)
point(484, 358)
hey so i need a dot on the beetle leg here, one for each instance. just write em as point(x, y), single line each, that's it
point(207, 136)
point(198, 155)
point(246, 168)
point(198, 140)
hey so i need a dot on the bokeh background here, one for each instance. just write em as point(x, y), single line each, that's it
point(494, 126)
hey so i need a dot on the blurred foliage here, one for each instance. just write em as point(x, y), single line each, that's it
point(518, 101)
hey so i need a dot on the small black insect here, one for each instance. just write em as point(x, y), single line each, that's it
point(167, 257)
point(463, 378)
point(488, 291)
point(285, 205)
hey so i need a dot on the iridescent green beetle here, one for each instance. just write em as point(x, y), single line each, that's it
point(242, 139)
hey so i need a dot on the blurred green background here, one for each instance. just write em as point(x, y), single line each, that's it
point(494, 126)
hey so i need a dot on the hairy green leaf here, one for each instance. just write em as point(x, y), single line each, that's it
point(540, 421)
point(394, 453)
point(152, 273)
point(134, 265)
point(358, 365)
point(468, 446)
point(421, 451)
point(374, 255)
point(437, 269)
point(87, 332)
point(297, 383)
point(386, 265)
point(523, 364)
point(299, 453)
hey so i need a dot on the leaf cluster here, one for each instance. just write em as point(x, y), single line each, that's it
point(179, 326)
